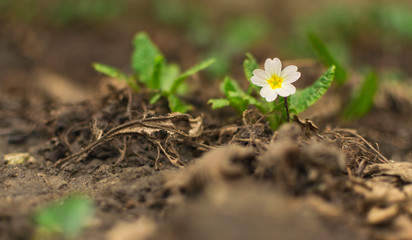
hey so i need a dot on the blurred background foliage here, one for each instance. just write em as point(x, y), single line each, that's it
point(361, 35)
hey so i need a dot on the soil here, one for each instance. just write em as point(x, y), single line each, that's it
point(235, 178)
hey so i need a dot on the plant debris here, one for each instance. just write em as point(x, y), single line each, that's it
point(172, 124)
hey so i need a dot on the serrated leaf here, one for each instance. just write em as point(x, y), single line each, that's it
point(155, 82)
point(198, 67)
point(219, 103)
point(302, 99)
point(327, 58)
point(247, 100)
point(249, 65)
point(237, 101)
point(237, 98)
point(115, 73)
point(177, 105)
point(362, 101)
point(143, 57)
point(230, 85)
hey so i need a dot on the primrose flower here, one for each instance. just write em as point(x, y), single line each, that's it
point(275, 81)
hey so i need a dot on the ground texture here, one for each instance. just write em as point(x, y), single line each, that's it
point(204, 175)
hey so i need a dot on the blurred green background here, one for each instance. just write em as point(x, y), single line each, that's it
point(67, 35)
point(376, 33)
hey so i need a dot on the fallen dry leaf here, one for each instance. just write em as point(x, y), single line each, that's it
point(403, 170)
point(375, 191)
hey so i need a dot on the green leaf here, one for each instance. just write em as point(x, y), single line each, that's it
point(67, 217)
point(155, 82)
point(249, 65)
point(234, 94)
point(155, 98)
point(326, 57)
point(277, 106)
point(115, 73)
point(302, 99)
point(169, 74)
point(238, 100)
point(176, 105)
point(230, 85)
point(198, 67)
point(144, 57)
point(108, 70)
point(362, 101)
point(275, 120)
point(238, 103)
point(246, 100)
point(219, 103)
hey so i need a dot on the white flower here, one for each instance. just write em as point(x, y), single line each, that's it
point(275, 81)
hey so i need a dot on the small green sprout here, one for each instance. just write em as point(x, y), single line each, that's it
point(152, 71)
point(274, 81)
point(361, 100)
point(67, 217)
point(327, 58)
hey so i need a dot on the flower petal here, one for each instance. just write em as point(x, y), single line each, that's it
point(293, 77)
point(259, 81)
point(286, 90)
point(261, 74)
point(273, 66)
point(289, 88)
point(265, 91)
point(272, 96)
point(288, 70)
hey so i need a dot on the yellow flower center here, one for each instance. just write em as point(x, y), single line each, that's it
point(275, 82)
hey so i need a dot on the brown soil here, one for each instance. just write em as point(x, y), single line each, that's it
point(234, 179)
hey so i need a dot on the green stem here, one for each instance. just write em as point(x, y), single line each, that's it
point(285, 100)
